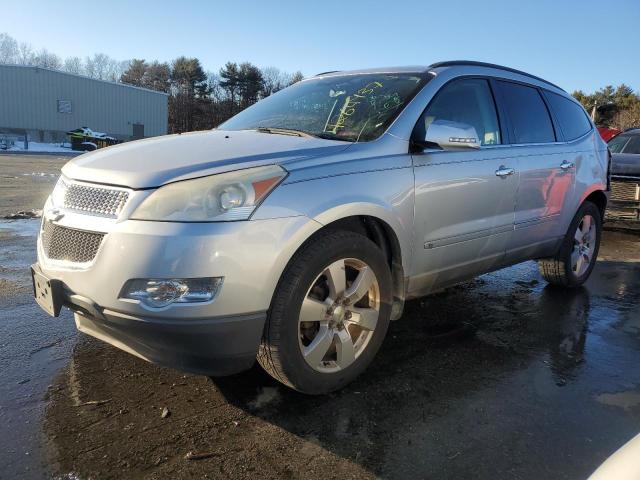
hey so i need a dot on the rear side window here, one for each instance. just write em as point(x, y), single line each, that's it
point(528, 115)
point(572, 119)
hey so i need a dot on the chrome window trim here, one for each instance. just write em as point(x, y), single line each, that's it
point(489, 77)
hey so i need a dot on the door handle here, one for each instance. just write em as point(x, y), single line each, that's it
point(504, 171)
point(565, 165)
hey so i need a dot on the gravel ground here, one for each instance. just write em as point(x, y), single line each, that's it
point(501, 377)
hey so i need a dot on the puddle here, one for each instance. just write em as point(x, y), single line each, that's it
point(20, 228)
point(626, 400)
point(448, 332)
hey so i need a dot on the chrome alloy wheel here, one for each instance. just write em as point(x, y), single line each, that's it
point(584, 242)
point(339, 315)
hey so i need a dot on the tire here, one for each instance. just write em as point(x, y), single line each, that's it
point(563, 270)
point(288, 352)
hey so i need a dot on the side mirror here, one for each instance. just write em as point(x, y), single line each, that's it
point(451, 135)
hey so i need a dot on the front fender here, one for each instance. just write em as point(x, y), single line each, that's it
point(387, 195)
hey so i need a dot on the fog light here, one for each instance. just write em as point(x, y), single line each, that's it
point(158, 293)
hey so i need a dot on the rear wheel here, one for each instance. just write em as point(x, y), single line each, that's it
point(329, 315)
point(576, 258)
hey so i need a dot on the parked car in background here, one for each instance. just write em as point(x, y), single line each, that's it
point(296, 231)
point(608, 133)
point(625, 176)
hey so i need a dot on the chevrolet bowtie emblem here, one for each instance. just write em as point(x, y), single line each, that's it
point(55, 215)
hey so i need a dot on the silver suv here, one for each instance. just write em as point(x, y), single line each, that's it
point(295, 231)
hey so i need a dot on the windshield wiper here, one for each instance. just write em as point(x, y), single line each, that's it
point(284, 131)
point(301, 133)
point(333, 136)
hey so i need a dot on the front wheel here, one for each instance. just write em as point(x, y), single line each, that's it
point(576, 258)
point(329, 315)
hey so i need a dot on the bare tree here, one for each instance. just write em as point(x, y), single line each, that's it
point(46, 59)
point(25, 54)
point(98, 66)
point(216, 92)
point(73, 65)
point(274, 79)
point(296, 77)
point(628, 118)
point(113, 70)
point(8, 49)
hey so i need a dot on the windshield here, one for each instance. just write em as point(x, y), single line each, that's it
point(617, 143)
point(350, 107)
point(625, 144)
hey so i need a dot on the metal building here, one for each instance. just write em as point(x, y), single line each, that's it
point(45, 104)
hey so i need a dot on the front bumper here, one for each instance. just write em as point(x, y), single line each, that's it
point(212, 346)
point(218, 337)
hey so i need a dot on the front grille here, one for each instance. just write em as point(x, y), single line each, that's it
point(102, 201)
point(625, 191)
point(62, 243)
point(625, 201)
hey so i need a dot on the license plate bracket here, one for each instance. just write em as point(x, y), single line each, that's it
point(47, 292)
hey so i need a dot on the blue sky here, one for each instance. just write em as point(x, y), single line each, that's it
point(583, 44)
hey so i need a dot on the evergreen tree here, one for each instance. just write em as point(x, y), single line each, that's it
point(230, 80)
point(158, 77)
point(134, 75)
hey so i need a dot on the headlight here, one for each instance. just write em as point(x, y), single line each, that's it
point(59, 192)
point(216, 198)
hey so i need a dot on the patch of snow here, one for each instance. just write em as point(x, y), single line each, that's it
point(90, 133)
point(40, 174)
point(40, 147)
point(24, 215)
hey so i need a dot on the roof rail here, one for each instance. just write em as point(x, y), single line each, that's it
point(326, 73)
point(453, 63)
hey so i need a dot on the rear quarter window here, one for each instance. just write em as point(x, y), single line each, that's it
point(528, 115)
point(571, 117)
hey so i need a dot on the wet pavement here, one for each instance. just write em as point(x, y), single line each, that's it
point(27, 180)
point(501, 377)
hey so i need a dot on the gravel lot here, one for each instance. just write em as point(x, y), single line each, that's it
point(501, 377)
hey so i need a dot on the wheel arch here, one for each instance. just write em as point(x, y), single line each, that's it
point(599, 198)
point(380, 229)
point(383, 235)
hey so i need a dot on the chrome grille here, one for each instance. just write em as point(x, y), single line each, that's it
point(62, 243)
point(624, 202)
point(625, 191)
point(102, 201)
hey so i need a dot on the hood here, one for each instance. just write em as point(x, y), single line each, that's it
point(155, 161)
point(625, 164)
